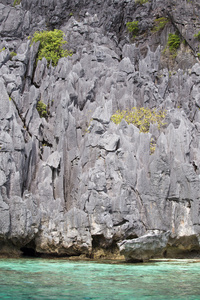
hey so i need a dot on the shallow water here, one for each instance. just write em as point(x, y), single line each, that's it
point(62, 279)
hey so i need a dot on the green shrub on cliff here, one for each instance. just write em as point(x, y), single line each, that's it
point(160, 24)
point(197, 35)
point(173, 42)
point(16, 2)
point(140, 117)
point(51, 43)
point(12, 54)
point(141, 1)
point(42, 109)
point(152, 145)
point(133, 28)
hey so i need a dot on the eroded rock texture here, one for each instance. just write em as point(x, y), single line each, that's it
point(75, 182)
point(144, 247)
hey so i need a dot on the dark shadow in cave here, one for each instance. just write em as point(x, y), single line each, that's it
point(29, 250)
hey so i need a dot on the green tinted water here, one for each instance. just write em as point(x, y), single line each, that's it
point(62, 279)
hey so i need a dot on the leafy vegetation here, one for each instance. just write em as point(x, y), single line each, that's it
point(197, 35)
point(172, 46)
point(42, 109)
point(152, 146)
point(51, 43)
point(160, 24)
point(141, 1)
point(140, 117)
point(2, 49)
point(16, 2)
point(173, 42)
point(133, 28)
point(12, 54)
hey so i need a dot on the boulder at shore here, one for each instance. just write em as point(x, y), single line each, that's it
point(144, 247)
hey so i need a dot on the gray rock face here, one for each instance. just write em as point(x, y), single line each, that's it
point(75, 182)
point(144, 247)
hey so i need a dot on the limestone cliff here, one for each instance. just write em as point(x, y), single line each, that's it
point(75, 182)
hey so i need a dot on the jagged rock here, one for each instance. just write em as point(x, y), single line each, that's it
point(4, 57)
point(54, 160)
point(144, 247)
point(4, 214)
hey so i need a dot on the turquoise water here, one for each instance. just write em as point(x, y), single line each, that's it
point(62, 279)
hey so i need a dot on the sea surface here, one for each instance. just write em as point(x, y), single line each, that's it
point(63, 279)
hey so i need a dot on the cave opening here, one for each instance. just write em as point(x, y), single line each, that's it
point(103, 248)
point(29, 250)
